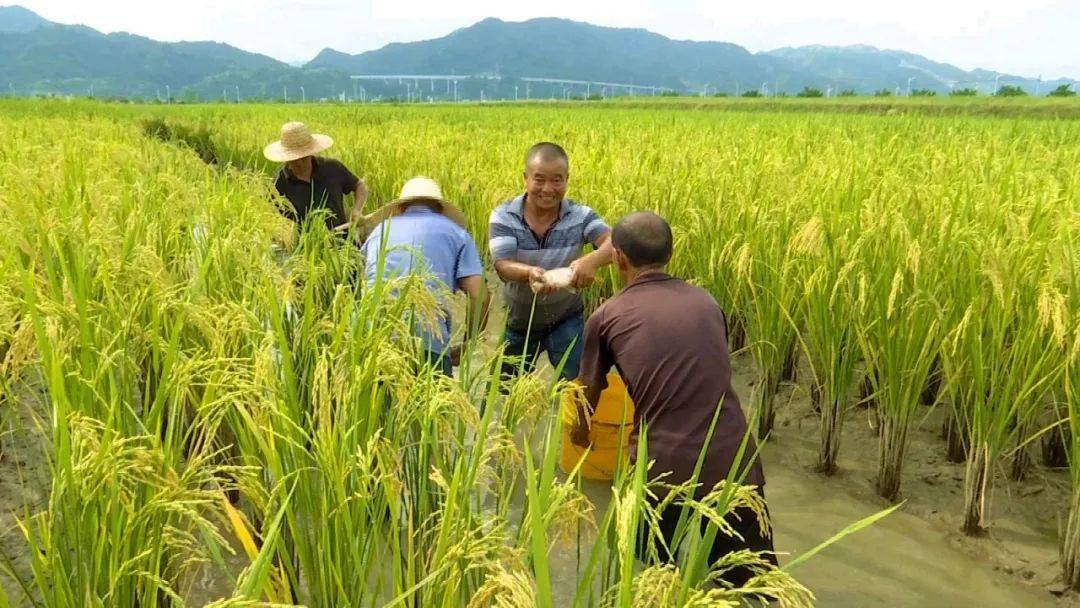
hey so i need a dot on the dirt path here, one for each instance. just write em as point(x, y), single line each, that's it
point(24, 480)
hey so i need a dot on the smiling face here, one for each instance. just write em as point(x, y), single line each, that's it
point(546, 181)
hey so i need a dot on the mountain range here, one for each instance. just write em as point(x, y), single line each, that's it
point(38, 56)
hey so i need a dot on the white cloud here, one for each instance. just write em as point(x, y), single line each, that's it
point(927, 17)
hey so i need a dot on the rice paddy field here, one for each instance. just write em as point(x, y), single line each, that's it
point(200, 405)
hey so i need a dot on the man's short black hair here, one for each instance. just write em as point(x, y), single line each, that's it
point(546, 151)
point(644, 238)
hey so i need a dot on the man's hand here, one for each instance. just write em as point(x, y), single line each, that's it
point(579, 427)
point(579, 433)
point(537, 283)
point(360, 196)
point(584, 273)
point(455, 355)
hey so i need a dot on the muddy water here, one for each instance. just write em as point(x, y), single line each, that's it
point(902, 561)
point(915, 557)
point(912, 558)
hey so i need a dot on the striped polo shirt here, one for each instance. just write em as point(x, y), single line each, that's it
point(510, 238)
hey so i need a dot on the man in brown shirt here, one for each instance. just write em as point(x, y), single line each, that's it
point(668, 340)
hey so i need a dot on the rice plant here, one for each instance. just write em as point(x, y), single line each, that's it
point(220, 379)
point(898, 336)
point(827, 333)
point(768, 270)
point(1008, 364)
point(1070, 534)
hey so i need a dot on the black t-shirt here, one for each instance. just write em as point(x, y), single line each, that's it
point(330, 180)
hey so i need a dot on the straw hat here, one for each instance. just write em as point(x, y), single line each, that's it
point(416, 190)
point(296, 142)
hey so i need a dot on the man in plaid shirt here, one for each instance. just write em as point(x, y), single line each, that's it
point(537, 231)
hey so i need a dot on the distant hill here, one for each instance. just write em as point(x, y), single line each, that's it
point(580, 51)
point(38, 56)
point(18, 19)
point(868, 69)
point(571, 50)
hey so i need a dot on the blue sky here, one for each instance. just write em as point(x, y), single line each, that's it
point(1025, 37)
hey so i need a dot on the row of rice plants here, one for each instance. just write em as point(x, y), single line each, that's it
point(208, 395)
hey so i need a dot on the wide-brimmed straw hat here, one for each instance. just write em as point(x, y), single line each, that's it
point(296, 142)
point(416, 190)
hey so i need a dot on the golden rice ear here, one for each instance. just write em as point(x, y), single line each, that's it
point(573, 401)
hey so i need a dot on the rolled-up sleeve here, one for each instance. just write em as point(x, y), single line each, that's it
point(596, 359)
point(502, 242)
point(594, 227)
point(468, 260)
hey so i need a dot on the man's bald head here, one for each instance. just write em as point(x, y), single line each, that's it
point(644, 238)
point(546, 152)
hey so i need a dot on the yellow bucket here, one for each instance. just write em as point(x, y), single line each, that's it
point(609, 433)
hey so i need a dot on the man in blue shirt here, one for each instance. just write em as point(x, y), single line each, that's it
point(424, 234)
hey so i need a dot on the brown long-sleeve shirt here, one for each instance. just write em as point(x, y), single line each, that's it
point(668, 340)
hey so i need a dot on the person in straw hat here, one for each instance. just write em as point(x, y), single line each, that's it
point(310, 182)
point(423, 233)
